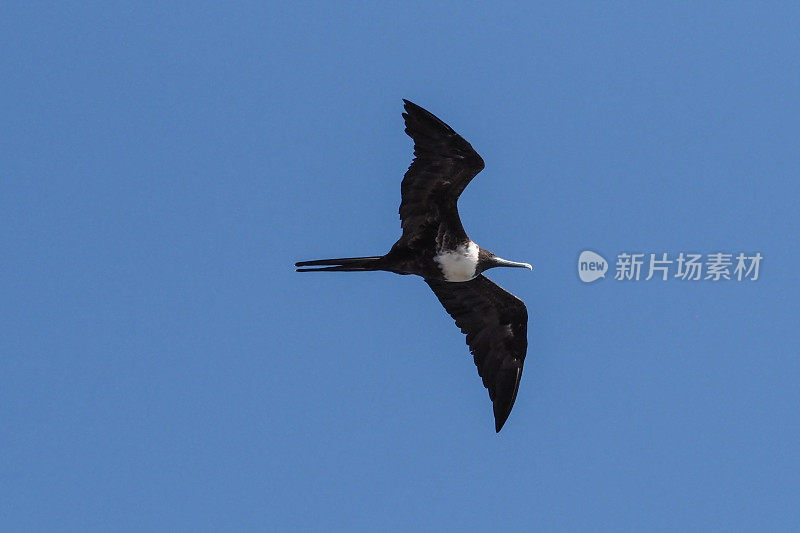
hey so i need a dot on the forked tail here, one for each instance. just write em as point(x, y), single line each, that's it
point(345, 264)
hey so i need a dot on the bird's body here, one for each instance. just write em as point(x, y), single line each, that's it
point(460, 263)
point(435, 246)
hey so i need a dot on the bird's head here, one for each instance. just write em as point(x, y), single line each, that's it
point(487, 260)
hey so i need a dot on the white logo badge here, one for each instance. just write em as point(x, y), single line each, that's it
point(591, 266)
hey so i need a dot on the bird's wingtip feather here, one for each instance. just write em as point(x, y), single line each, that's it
point(500, 420)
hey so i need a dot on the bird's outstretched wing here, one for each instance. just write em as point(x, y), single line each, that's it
point(496, 324)
point(444, 163)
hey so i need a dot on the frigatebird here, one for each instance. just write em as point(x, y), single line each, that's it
point(435, 246)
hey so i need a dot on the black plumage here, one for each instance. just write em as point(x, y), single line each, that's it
point(435, 246)
point(496, 325)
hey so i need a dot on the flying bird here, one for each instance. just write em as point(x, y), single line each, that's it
point(435, 246)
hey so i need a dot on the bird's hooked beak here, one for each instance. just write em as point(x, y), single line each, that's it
point(498, 261)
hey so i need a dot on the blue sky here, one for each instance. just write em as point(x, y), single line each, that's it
point(164, 367)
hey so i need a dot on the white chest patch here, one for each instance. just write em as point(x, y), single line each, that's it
point(459, 264)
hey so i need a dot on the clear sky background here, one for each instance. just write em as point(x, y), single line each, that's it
point(163, 366)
